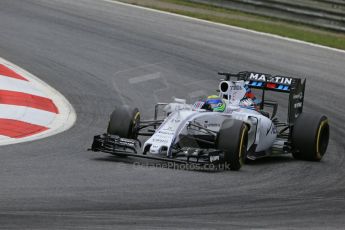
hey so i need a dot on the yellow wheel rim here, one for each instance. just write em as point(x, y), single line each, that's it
point(241, 146)
point(322, 124)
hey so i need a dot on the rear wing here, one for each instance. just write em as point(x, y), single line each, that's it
point(295, 87)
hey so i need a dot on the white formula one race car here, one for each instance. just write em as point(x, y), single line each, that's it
point(196, 134)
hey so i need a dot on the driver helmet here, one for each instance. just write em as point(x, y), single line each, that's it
point(215, 104)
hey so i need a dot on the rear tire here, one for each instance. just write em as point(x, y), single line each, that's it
point(232, 140)
point(124, 121)
point(310, 137)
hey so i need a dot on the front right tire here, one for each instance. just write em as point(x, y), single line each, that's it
point(124, 121)
point(232, 140)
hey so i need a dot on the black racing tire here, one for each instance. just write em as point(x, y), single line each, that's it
point(310, 137)
point(232, 139)
point(124, 121)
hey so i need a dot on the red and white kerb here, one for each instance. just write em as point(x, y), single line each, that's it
point(24, 109)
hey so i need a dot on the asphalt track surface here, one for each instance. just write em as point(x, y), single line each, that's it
point(100, 54)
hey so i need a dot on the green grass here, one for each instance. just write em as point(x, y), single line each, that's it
point(250, 21)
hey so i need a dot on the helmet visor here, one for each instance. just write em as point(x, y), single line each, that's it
point(215, 103)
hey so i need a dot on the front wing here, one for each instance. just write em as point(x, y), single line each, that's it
point(128, 147)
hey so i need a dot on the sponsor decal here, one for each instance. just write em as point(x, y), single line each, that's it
point(209, 125)
point(165, 132)
point(235, 87)
point(169, 128)
point(298, 96)
point(158, 140)
point(298, 105)
point(176, 120)
point(214, 158)
point(271, 79)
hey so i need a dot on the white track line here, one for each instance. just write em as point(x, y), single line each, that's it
point(228, 26)
point(140, 79)
point(63, 121)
